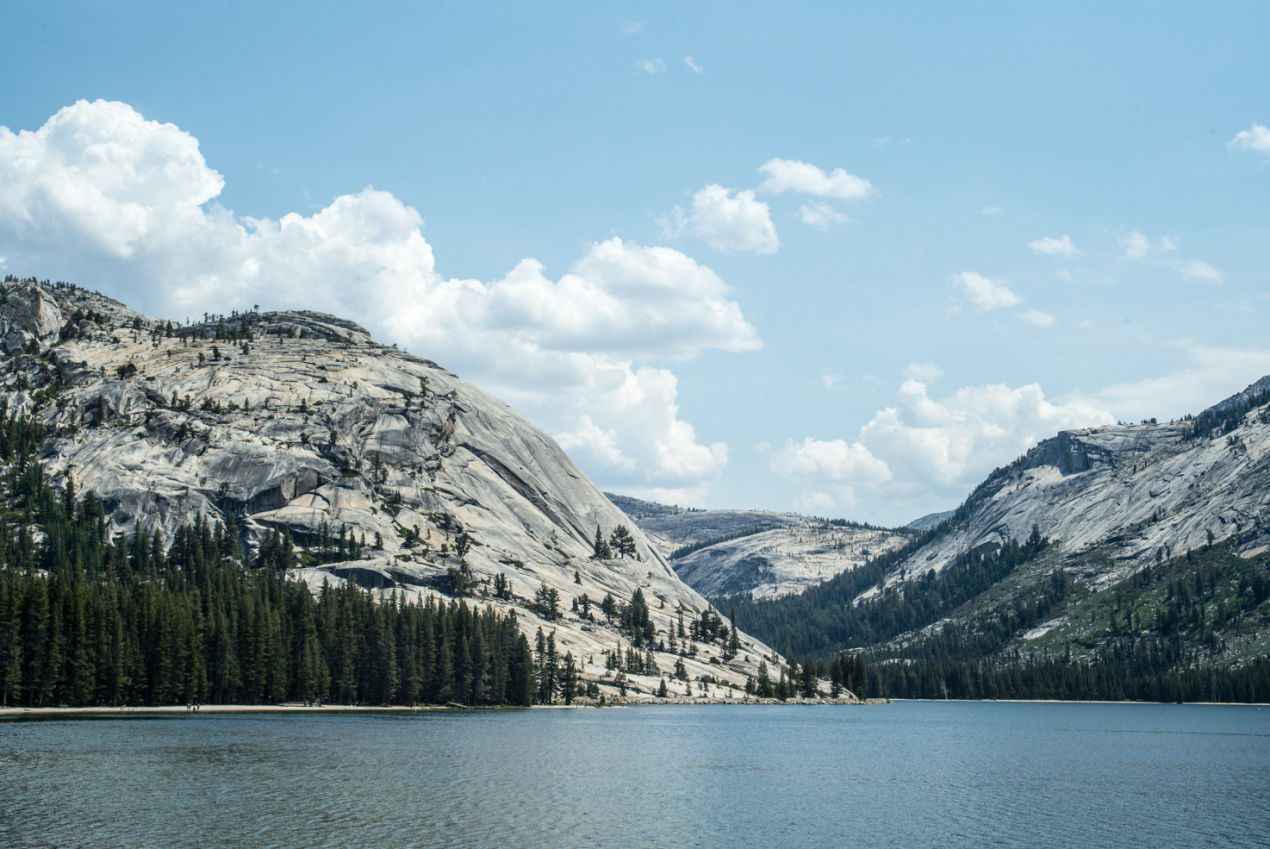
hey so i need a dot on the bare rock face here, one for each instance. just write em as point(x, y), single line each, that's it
point(1140, 491)
point(757, 552)
point(930, 520)
point(28, 313)
point(782, 561)
point(301, 422)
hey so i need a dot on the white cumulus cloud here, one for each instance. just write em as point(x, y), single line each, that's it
point(103, 197)
point(727, 221)
point(620, 298)
point(1136, 245)
point(789, 175)
point(1040, 319)
point(651, 66)
point(820, 214)
point(100, 179)
point(984, 292)
point(830, 379)
point(1196, 269)
point(1061, 246)
point(1256, 137)
point(637, 423)
point(924, 372)
point(693, 66)
point(833, 460)
point(923, 447)
point(953, 442)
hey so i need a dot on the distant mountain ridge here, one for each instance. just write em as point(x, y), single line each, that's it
point(1136, 556)
point(762, 554)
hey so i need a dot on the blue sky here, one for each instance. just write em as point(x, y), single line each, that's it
point(838, 259)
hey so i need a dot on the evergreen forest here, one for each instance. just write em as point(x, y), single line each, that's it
point(1188, 628)
point(86, 619)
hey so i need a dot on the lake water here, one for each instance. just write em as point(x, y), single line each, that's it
point(903, 775)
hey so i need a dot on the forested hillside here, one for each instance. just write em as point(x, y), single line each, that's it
point(90, 620)
point(1010, 623)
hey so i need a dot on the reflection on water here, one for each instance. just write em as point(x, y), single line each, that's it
point(911, 774)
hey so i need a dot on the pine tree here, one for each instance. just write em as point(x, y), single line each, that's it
point(600, 547)
point(568, 678)
point(809, 690)
point(764, 686)
point(622, 542)
point(734, 638)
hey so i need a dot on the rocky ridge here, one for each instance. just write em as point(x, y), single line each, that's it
point(782, 561)
point(301, 422)
point(759, 553)
point(1138, 492)
point(930, 520)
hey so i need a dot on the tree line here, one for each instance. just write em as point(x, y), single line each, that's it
point(826, 619)
point(1161, 634)
point(1223, 418)
point(1150, 670)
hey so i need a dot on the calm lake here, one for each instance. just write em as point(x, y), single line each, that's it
point(904, 775)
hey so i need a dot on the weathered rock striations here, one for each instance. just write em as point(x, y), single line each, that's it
point(301, 422)
point(30, 318)
point(760, 553)
point(783, 560)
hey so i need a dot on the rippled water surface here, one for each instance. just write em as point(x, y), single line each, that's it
point(904, 775)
